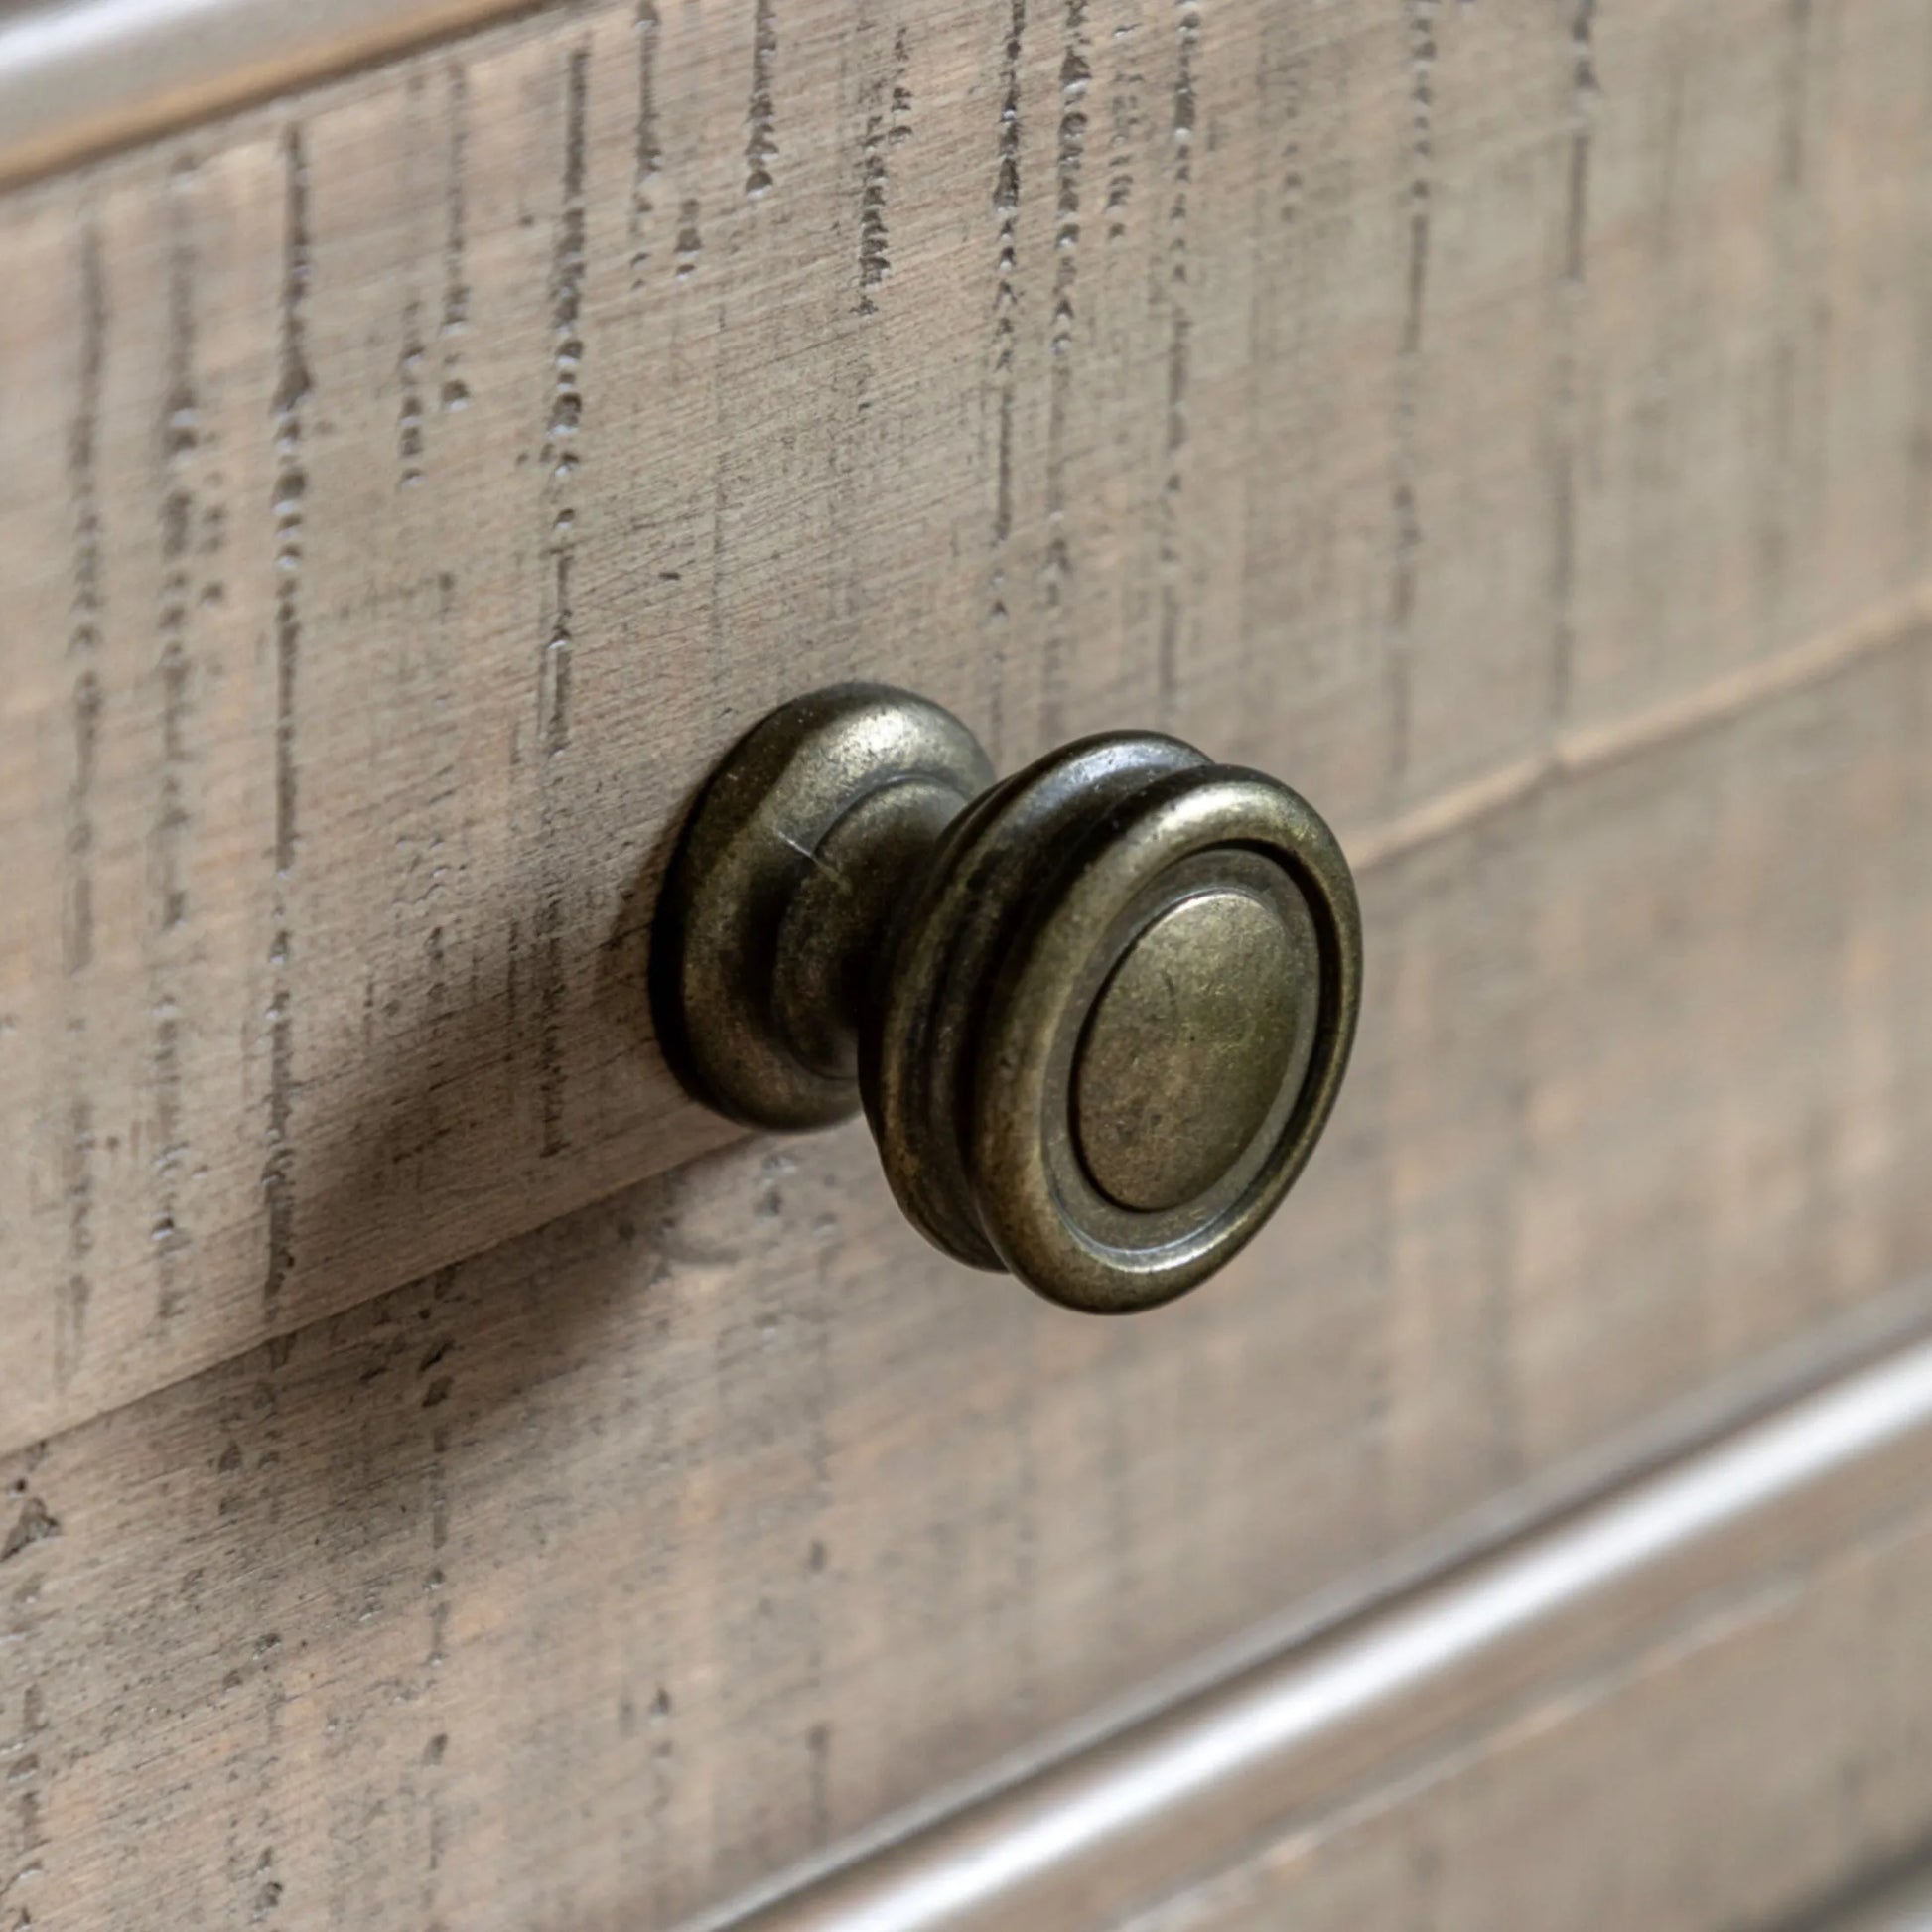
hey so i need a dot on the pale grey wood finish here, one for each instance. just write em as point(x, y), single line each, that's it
point(591, 1581)
point(1330, 1725)
point(406, 491)
point(1897, 1898)
point(1716, 1777)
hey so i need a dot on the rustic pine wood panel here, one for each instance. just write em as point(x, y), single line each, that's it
point(591, 1581)
point(1736, 1767)
point(1322, 1723)
point(406, 491)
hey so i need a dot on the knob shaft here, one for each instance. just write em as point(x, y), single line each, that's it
point(1097, 1014)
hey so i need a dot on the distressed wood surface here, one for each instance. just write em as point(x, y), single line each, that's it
point(1890, 1898)
point(405, 491)
point(1336, 1718)
point(591, 1581)
point(1734, 1769)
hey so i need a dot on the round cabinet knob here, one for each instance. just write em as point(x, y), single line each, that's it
point(1097, 1014)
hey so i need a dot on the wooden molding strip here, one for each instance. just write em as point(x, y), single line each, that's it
point(1175, 1796)
point(1896, 620)
point(81, 76)
point(1899, 1900)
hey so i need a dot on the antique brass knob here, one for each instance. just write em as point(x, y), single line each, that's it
point(1096, 1015)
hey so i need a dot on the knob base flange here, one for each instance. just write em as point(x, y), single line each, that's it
point(789, 868)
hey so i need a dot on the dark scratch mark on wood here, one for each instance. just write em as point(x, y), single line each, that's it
point(1056, 562)
point(887, 127)
point(566, 273)
point(1123, 129)
point(512, 992)
point(1408, 386)
point(874, 262)
point(566, 406)
point(1281, 96)
point(557, 659)
point(436, 1593)
point(251, 1765)
point(1005, 301)
point(33, 1525)
point(818, 1749)
point(85, 632)
point(1076, 78)
point(689, 241)
point(86, 705)
point(436, 1125)
point(1918, 427)
point(1188, 32)
point(557, 664)
point(1583, 116)
point(1780, 513)
point(455, 221)
point(647, 153)
point(761, 142)
point(902, 88)
point(409, 356)
point(291, 487)
point(1293, 94)
point(78, 1187)
point(663, 1781)
point(436, 1582)
point(27, 1779)
point(551, 984)
point(171, 1158)
point(168, 889)
point(1565, 413)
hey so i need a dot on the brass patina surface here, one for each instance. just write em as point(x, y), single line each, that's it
point(1097, 1014)
point(1185, 1050)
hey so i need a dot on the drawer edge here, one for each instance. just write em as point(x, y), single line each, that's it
point(1180, 1794)
point(81, 78)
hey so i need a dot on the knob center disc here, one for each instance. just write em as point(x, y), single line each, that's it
point(1188, 1047)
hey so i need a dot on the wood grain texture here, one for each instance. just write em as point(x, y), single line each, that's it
point(1339, 1719)
point(406, 492)
point(1729, 1770)
point(1896, 1898)
point(589, 1582)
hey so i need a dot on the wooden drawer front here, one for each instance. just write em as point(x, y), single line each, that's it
point(407, 491)
point(1728, 1765)
point(718, 1520)
point(611, 1576)
point(1723, 1662)
point(449, 1482)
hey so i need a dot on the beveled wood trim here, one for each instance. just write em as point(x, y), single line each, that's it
point(81, 76)
point(230, 929)
point(1898, 1899)
point(1135, 1817)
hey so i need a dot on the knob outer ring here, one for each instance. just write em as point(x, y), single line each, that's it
point(1020, 1102)
point(998, 864)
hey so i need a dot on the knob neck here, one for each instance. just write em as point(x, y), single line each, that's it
point(836, 934)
